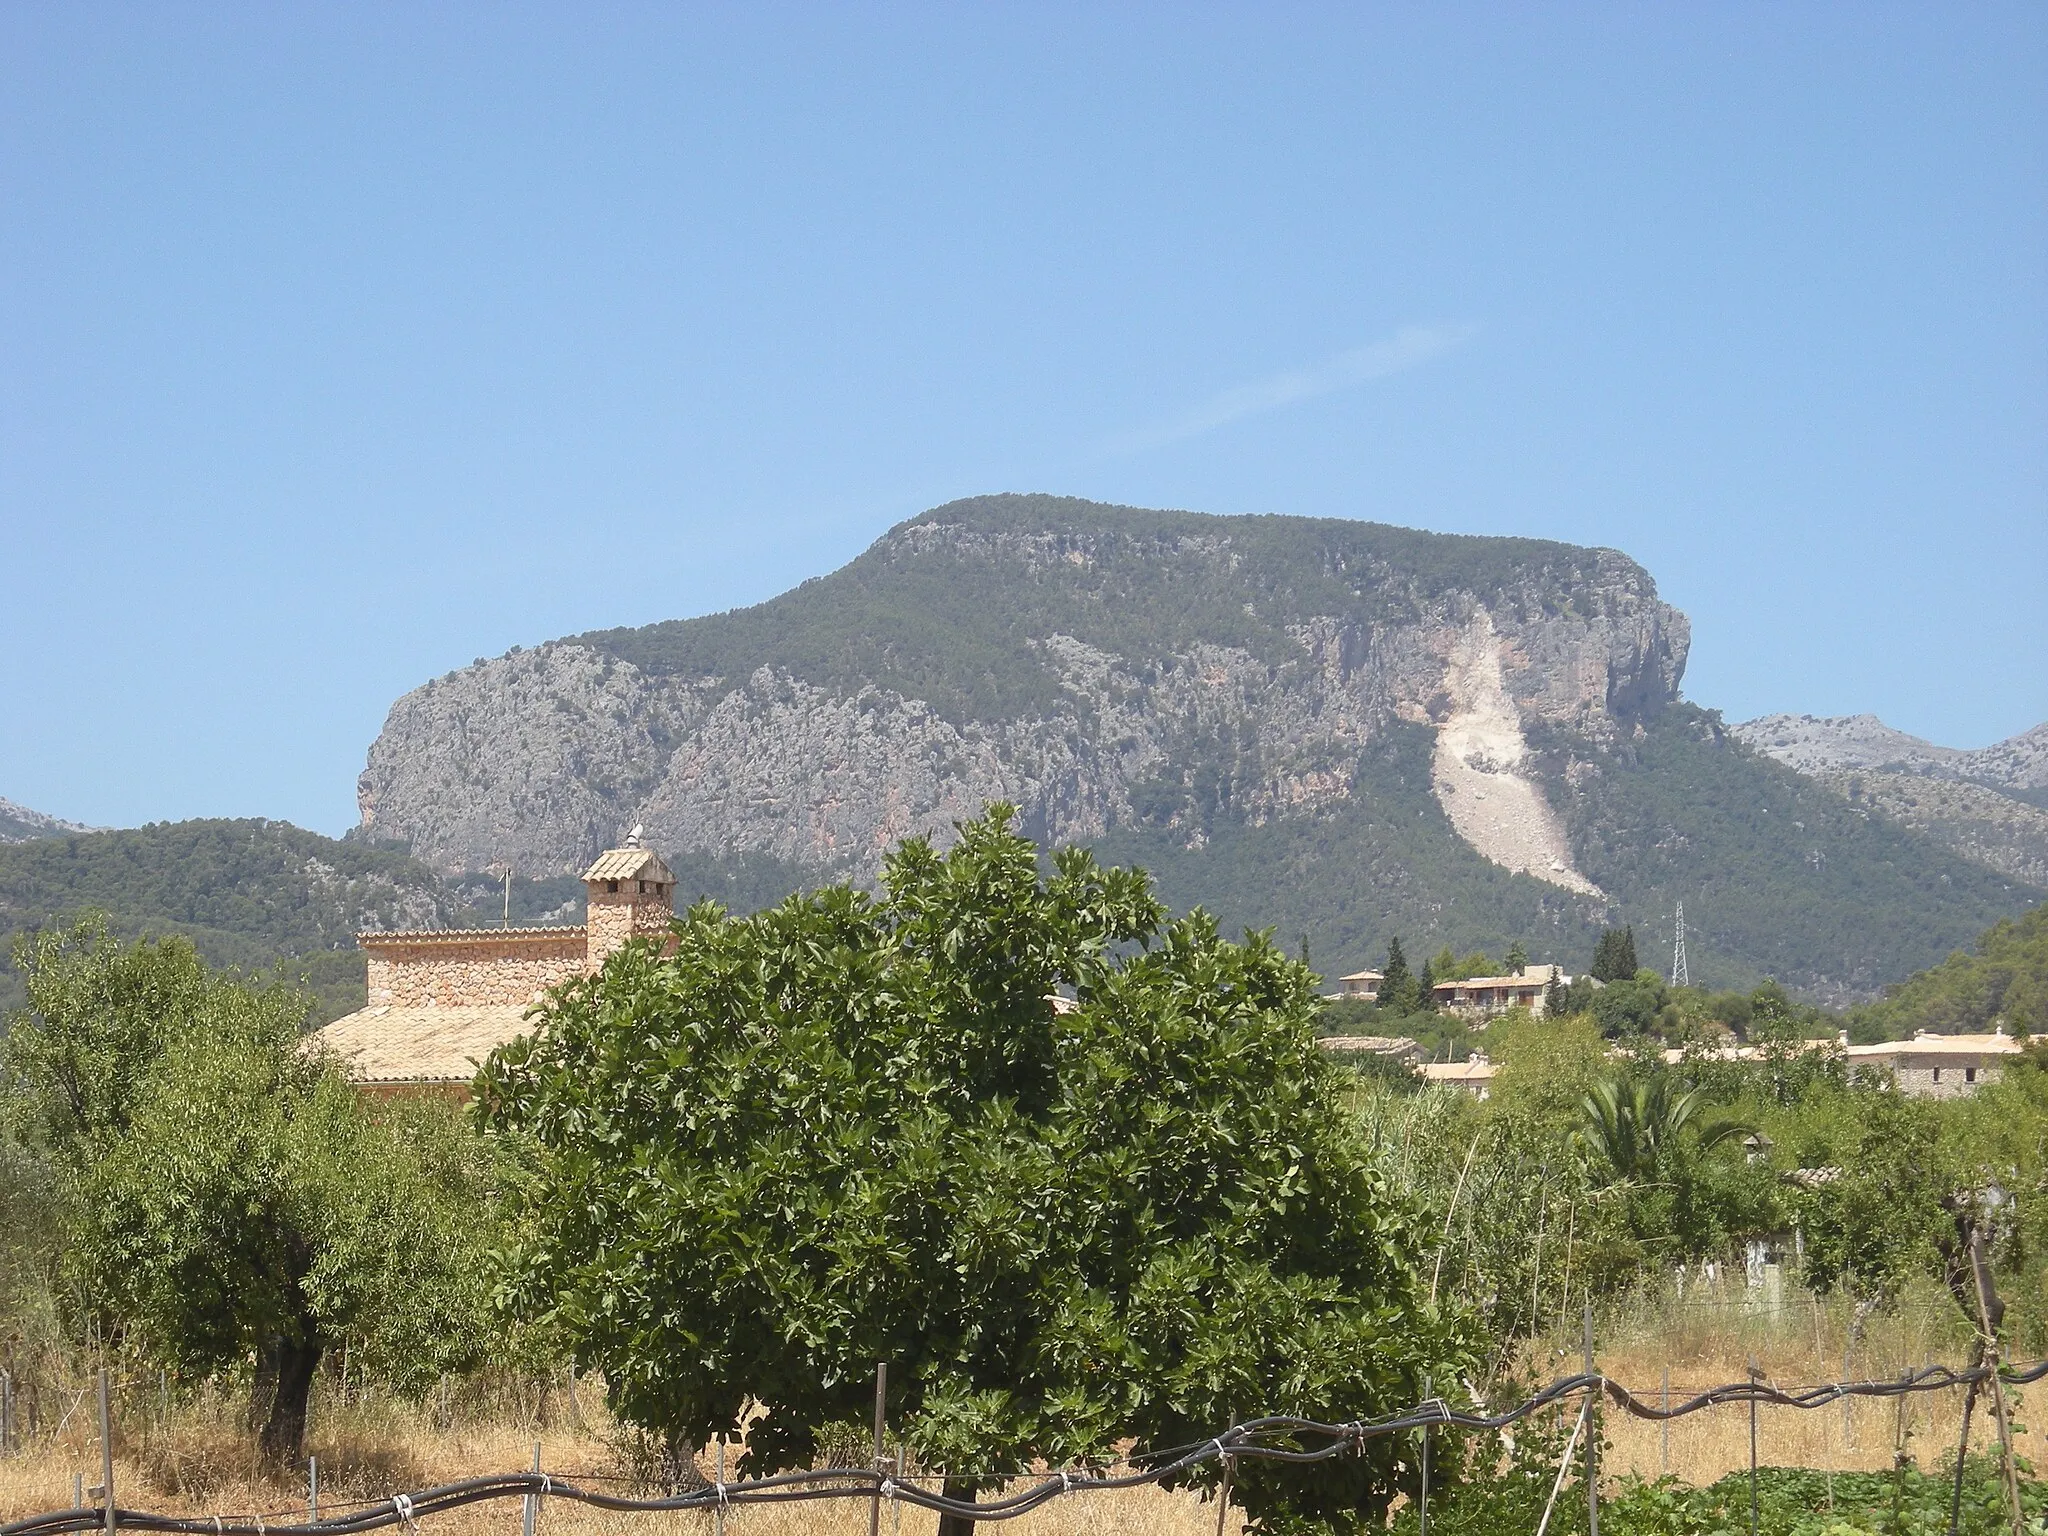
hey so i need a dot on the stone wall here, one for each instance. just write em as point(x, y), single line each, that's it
point(613, 917)
point(470, 968)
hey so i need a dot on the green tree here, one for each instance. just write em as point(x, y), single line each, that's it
point(857, 1128)
point(224, 1192)
point(1518, 958)
point(1397, 986)
point(1614, 957)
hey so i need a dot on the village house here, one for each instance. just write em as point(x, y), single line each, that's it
point(1473, 1075)
point(1358, 987)
point(440, 1000)
point(1931, 1066)
point(1479, 997)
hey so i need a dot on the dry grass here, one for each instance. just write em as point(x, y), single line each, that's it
point(199, 1461)
point(1712, 1338)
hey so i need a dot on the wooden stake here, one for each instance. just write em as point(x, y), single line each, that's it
point(1664, 1430)
point(1991, 1312)
point(1223, 1493)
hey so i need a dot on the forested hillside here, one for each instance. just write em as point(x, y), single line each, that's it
point(2002, 979)
point(251, 894)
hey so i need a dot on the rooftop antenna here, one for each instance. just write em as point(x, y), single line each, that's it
point(1680, 977)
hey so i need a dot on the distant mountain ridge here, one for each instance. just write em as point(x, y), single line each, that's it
point(1816, 744)
point(1343, 730)
point(1990, 805)
point(18, 824)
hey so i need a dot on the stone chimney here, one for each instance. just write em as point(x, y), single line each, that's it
point(631, 895)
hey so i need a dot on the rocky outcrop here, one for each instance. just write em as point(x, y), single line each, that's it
point(1137, 715)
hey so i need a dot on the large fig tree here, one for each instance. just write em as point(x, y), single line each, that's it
point(1077, 1173)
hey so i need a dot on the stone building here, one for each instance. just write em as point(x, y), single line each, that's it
point(1931, 1066)
point(441, 1000)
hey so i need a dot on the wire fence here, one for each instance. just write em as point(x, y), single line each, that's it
point(1277, 1438)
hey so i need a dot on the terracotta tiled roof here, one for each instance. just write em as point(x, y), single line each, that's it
point(629, 864)
point(451, 936)
point(420, 1045)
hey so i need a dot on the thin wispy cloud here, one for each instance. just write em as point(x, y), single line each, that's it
point(1407, 348)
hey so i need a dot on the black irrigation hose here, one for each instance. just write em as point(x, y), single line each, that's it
point(1251, 1440)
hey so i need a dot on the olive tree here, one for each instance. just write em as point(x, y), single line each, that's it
point(224, 1193)
point(1077, 1173)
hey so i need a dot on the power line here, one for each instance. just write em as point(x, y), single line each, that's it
point(1277, 1437)
point(1680, 976)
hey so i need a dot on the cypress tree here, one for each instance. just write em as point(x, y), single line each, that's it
point(1397, 987)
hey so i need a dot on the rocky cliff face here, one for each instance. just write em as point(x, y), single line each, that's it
point(1099, 667)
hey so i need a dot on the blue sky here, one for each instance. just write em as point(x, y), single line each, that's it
point(340, 345)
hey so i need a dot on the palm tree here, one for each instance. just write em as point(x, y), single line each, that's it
point(1631, 1125)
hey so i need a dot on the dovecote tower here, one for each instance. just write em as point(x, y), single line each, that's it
point(631, 894)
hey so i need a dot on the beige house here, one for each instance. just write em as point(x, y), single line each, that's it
point(1359, 986)
point(1473, 1075)
point(1479, 997)
point(440, 1000)
point(1931, 1066)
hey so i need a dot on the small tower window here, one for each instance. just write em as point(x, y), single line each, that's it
point(612, 886)
point(643, 887)
point(1969, 1074)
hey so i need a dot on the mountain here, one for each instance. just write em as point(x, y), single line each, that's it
point(1989, 805)
point(18, 824)
point(254, 894)
point(1344, 730)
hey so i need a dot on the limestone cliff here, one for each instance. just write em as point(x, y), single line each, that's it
point(1102, 668)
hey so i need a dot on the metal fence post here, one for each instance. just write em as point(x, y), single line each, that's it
point(107, 1453)
point(312, 1490)
point(1592, 1435)
point(881, 1429)
point(531, 1514)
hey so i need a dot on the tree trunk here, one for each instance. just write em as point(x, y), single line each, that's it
point(263, 1383)
point(963, 1489)
point(284, 1433)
